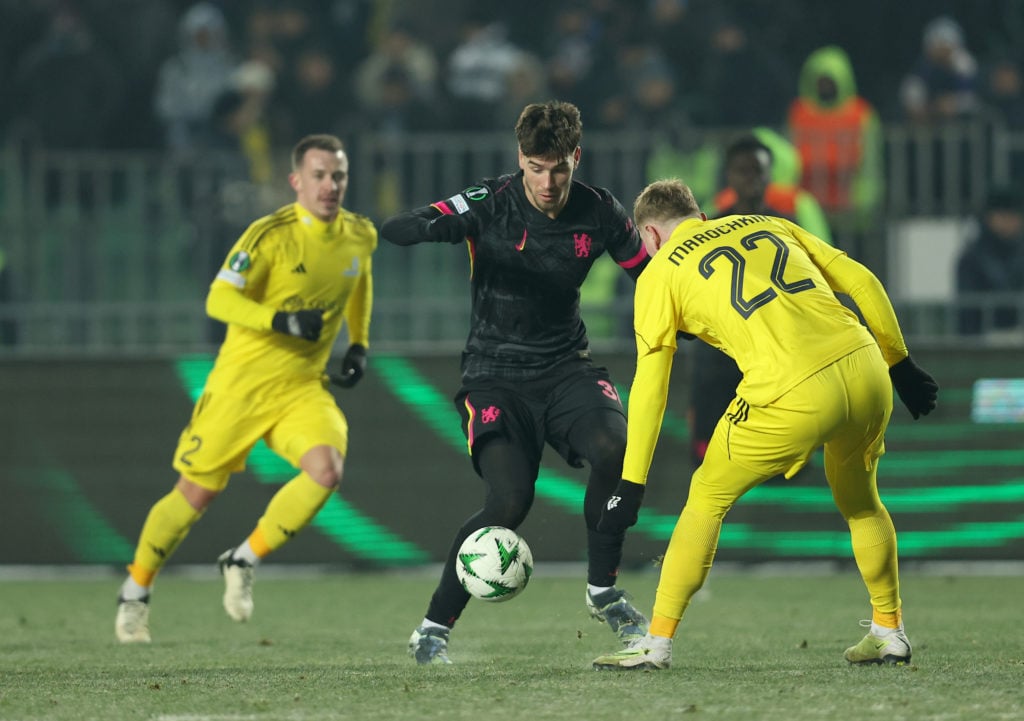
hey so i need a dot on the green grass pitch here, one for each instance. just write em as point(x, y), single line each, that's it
point(331, 647)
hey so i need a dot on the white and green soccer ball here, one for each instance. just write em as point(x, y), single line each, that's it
point(494, 564)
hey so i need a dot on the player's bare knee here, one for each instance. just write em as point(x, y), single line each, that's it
point(327, 476)
point(197, 496)
point(324, 465)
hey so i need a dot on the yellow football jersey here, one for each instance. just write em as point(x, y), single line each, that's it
point(752, 286)
point(290, 261)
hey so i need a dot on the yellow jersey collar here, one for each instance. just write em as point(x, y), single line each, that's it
point(316, 226)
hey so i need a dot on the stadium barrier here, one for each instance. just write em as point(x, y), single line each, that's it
point(113, 251)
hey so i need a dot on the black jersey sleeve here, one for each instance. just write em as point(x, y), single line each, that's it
point(410, 227)
point(474, 206)
point(624, 244)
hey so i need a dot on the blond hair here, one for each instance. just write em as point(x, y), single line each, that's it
point(664, 200)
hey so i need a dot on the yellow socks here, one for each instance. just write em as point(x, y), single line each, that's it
point(687, 563)
point(167, 524)
point(874, 547)
point(664, 626)
point(288, 512)
point(887, 620)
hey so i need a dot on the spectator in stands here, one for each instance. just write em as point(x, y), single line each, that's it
point(1003, 96)
point(312, 96)
point(478, 72)
point(526, 83)
point(577, 57)
point(783, 193)
point(680, 150)
point(1004, 91)
point(943, 84)
point(67, 90)
point(190, 81)
point(642, 88)
point(990, 271)
point(400, 108)
point(399, 49)
point(398, 111)
point(839, 137)
point(679, 29)
point(742, 83)
point(136, 35)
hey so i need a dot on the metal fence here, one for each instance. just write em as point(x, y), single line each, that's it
point(113, 251)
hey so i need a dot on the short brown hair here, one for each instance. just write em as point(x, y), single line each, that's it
point(320, 141)
point(664, 200)
point(549, 130)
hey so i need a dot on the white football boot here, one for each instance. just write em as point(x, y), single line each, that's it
point(132, 622)
point(238, 578)
point(647, 652)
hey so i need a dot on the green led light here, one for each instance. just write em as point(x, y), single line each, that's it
point(937, 431)
point(912, 543)
point(429, 404)
point(560, 491)
point(671, 424)
point(82, 527)
point(338, 519)
point(433, 408)
point(932, 462)
point(906, 500)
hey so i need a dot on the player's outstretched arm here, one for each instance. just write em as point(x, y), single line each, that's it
point(425, 225)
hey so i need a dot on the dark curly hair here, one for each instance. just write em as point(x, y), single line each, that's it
point(549, 130)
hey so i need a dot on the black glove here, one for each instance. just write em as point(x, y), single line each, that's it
point(622, 507)
point(301, 324)
point(353, 366)
point(448, 229)
point(915, 387)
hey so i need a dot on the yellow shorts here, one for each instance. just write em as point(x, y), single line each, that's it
point(845, 407)
point(224, 429)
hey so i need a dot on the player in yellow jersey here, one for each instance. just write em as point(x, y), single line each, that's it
point(763, 290)
point(284, 291)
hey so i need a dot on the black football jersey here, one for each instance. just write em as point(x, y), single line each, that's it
point(527, 269)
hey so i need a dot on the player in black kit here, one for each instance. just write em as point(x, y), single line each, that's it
point(527, 375)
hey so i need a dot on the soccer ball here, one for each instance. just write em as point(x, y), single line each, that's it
point(494, 564)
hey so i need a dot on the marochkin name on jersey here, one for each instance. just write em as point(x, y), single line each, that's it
point(694, 242)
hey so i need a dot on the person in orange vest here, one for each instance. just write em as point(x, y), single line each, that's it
point(839, 138)
point(783, 193)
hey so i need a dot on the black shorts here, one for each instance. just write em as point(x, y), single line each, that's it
point(545, 409)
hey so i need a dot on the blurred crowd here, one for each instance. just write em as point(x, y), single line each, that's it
point(185, 75)
point(816, 81)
